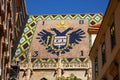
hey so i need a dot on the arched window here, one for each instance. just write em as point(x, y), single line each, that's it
point(43, 78)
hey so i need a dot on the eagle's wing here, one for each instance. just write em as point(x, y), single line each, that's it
point(44, 37)
point(76, 36)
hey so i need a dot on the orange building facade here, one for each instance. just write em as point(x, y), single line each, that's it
point(105, 52)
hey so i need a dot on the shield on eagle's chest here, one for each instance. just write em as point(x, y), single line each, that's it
point(60, 41)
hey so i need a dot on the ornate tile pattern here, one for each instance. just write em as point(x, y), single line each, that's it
point(26, 38)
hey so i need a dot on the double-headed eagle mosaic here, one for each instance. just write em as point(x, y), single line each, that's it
point(60, 41)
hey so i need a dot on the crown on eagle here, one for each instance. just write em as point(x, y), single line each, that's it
point(62, 24)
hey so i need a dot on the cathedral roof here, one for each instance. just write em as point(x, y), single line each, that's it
point(24, 45)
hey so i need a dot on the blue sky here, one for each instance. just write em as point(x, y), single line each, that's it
point(43, 7)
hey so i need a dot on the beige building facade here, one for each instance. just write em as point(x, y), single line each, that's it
point(13, 16)
point(105, 52)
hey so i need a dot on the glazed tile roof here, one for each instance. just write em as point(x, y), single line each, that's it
point(26, 38)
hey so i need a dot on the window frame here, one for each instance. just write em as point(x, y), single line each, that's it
point(103, 52)
point(112, 35)
point(96, 67)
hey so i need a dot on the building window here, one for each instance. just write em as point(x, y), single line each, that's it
point(22, 13)
point(112, 34)
point(18, 24)
point(96, 66)
point(103, 53)
point(104, 78)
point(13, 9)
point(4, 2)
point(116, 77)
point(0, 65)
point(22, 8)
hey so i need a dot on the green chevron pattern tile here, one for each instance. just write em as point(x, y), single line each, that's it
point(68, 17)
point(51, 60)
point(64, 60)
point(87, 16)
point(77, 17)
point(58, 17)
